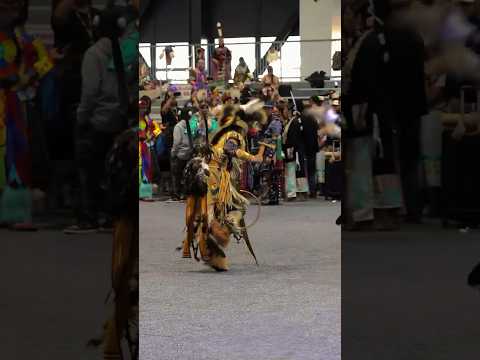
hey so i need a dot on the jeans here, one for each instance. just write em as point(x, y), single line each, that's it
point(178, 167)
point(312, 173)
point(91, 149)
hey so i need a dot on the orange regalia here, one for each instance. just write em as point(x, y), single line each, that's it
point(215, 205)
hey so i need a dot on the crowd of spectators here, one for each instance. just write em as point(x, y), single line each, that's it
point(304, 134)
point(406, 65)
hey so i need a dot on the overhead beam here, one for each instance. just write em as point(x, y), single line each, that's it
point(290, 26)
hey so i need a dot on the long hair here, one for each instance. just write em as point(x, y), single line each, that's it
point(148, 103)
point(24, 12)
point(122, 174)
point(381, 11)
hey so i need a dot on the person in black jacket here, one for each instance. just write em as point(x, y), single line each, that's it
point(309, 135)
point(74, 33)
point(381, 121)
point(169, 120)
point(407, 76)
point(296, 185)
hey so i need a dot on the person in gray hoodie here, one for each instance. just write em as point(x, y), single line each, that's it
point(101, 116)
point(181, 152)
point(182, 149)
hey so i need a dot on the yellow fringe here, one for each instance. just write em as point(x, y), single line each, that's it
point(225, 193)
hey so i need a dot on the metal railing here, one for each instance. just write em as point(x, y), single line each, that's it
point(288, 67)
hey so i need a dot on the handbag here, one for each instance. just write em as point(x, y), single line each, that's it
point(15, 202)
point(279, 154)
point(146, 190)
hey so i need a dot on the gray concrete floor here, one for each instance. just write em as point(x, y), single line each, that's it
point(52, 294)
point(288, 308)
point(405, 297)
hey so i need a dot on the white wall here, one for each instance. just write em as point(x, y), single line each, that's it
point(318, 21)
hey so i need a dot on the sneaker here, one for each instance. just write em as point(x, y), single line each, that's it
point(106, 227)
point(80, 229)
point(474, 277)
point(301, 197)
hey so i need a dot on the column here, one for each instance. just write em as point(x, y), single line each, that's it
point(318, 19)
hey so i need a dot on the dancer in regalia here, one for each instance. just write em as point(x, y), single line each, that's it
point(215, 205)
point(222, 59)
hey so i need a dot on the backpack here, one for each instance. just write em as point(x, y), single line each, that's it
point(161, 147)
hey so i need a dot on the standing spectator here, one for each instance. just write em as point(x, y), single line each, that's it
point(270, 79)
point(377, 76)
point(100, 117)
point(169, 120)
point(406, 74)
point(285, 115)
point(180, 155)
point(310, 148)
point(275, 130)
point(74, 32)
point(268, 93)
point(19, 80)
point(72, 24)
point(147, 135)
point(181, 150)
point(296, 184)
point(242, 72)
